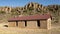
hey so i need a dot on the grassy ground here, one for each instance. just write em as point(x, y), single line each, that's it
point(21, 31)
point(15, 30)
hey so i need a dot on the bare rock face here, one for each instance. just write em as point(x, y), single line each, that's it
point(30, 8)
point(33, 8)
point(6, 9)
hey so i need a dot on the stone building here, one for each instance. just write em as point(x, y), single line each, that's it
point(33, 21)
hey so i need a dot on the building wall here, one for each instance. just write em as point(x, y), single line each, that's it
point(31, 24)
point(43, 24)
point(12, 24)
point(49, 23)
point(21, 24)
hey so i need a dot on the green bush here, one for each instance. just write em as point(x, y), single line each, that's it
point(2, 12)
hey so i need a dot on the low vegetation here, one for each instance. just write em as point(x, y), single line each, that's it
point(54, 10)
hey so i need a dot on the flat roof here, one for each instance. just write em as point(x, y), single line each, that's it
point(31, 17)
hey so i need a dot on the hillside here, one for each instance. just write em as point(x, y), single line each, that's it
point(30, 9)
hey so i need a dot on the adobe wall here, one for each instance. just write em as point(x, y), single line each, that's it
point(12, 24)
point(49, 23)
point(21, 24)
point(43, 24)
point(31, 24)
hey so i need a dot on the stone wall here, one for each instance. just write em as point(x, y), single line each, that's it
point(49, 23)
point(43, 24)
point(21, 24)
point(12, 24)
point(31, 24)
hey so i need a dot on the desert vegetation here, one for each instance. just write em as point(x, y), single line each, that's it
point(30, 9)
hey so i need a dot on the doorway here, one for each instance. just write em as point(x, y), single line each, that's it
point(38, 23)
point(25, 23)
point(17, 23)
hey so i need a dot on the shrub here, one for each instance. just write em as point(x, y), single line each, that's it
point(2, 12)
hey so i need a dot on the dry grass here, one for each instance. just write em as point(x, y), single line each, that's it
point(15, 30)
point(21, 31)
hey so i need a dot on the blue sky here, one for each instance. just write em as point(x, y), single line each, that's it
point(15, 3)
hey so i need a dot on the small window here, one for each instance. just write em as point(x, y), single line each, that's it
point(38, 23)
point(16, 23)
point(25, 23)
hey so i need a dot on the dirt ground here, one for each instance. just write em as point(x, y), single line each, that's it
point(15, 30)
